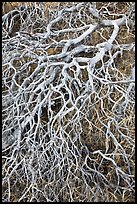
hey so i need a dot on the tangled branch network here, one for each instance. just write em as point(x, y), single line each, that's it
point(68, 88)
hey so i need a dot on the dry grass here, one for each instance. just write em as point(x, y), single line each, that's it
point(97, 114)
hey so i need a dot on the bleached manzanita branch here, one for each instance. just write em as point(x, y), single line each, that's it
point(68, 90)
